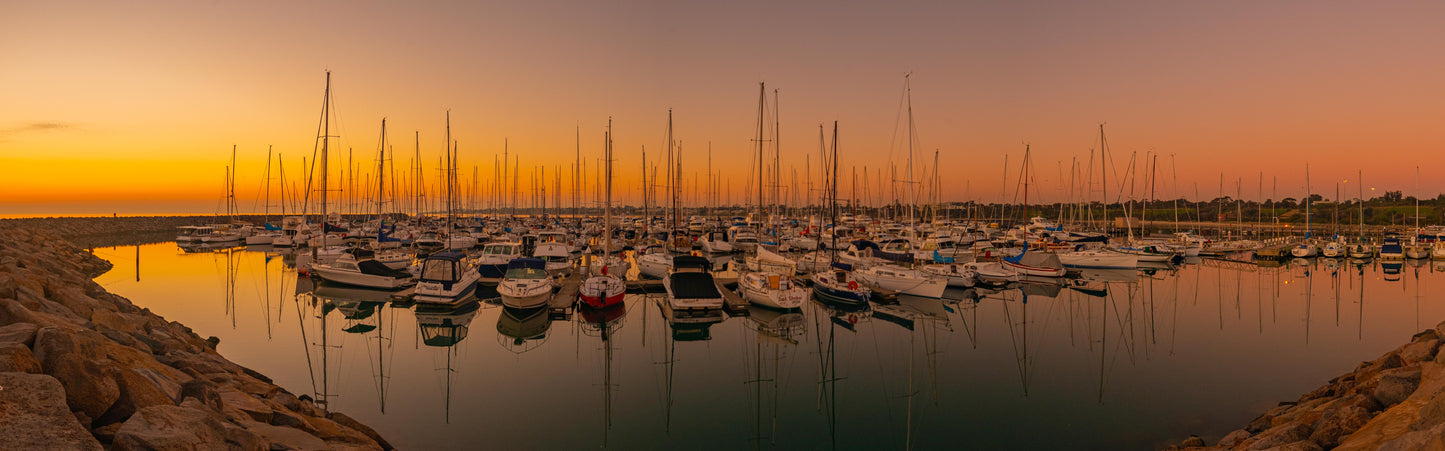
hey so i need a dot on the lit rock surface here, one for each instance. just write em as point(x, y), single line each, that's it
point(1395, 402)
point(82, 368)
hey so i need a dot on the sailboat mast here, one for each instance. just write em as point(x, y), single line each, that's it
point(762, 98)
point(908, 91)
point(381, 174)
point(607, 207)
point(325, 142)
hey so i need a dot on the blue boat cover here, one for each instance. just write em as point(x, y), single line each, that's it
point(272, 228)
point(1017, 258)
point(331, 228)
point(939, 258)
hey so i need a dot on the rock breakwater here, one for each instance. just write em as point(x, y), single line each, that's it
point(81, 368)
point(1395, 402)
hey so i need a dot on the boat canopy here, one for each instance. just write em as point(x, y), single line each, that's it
point(692, 262)
point(449, 256)
point(693, 285)
point(527, 263)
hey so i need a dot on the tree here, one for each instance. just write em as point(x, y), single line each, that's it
point(1393, 196)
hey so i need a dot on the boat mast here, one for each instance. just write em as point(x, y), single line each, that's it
point(762, 98)
point(381, 177)
point(607, 207)
point(268, 182)
point(833, 196)
point(325, 142)
point(1104, 177)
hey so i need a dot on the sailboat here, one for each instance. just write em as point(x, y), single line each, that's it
point(1360, 249)
point(1416, 249)
point(447, 277)
point(607, 287)
point(269, 233)
point(837, 284)
point(657, 262)
point(1306, 248)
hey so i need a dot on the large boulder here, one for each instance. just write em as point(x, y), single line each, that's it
point(140, 388)
point(89, 386)
point(11, 312)
point(1281, 435)
point(187, 426)
point(15, 357)
point(1396, 386)
point(23, 333)
point(1420, 351)
point(347, 421)
point(34, 415)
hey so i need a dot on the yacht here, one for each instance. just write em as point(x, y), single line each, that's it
point(358, 267)
point(690, 284)
point(446, 278)
point(526, 284)
point(492, 263)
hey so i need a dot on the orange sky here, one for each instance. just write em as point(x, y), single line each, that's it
point(133, 107)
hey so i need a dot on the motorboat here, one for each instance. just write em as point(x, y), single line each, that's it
point(526, 284)
point(690, 284)
point(558, 256)
point(446, 278)
point(357, 267)
point(492, 263)
point(743, 238)
point(1390, 248)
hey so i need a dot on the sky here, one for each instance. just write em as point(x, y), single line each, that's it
point(133, 107)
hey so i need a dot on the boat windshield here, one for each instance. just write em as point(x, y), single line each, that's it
point(498, 249)
point(438, 270)
point(526, 273)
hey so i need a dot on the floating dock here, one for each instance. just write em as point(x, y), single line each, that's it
point(562, 303)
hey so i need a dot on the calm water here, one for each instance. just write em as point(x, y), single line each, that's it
point(1126, 360)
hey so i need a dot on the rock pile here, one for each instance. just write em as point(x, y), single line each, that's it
point(81, 368)
point(1395, 402)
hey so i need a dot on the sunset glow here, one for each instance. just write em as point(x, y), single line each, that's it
point(120, 107)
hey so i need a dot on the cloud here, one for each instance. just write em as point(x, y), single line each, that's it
point(36, 127)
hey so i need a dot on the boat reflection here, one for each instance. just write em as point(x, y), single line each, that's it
point(603, 323)
point(445, 327)
point(522, 330)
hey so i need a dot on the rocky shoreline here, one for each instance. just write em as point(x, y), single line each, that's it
point(81, 368)
point(1395, 402)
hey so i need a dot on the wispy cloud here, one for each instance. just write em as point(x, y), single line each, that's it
point(13, 131)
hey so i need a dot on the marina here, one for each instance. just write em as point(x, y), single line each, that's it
point(1139, 347)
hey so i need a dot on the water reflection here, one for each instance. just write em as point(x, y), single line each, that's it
point(445, 327)
point(1025, 366)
